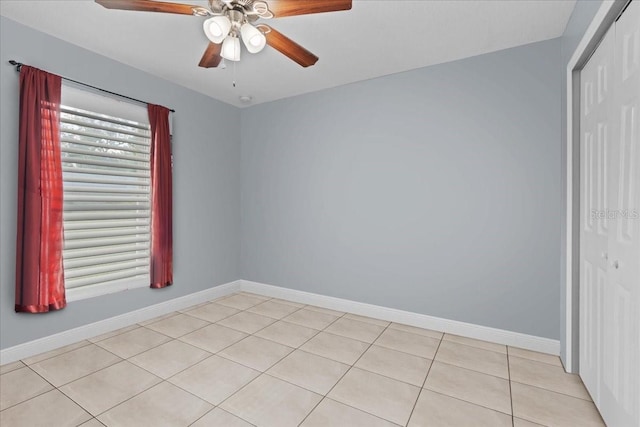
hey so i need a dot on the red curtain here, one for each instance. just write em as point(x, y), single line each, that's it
point(39, 272)
point(161, 198)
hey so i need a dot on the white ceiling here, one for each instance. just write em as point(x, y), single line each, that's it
point(373, 39)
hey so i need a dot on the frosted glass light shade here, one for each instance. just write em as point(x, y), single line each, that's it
point(253, 38)
point(217, 28)
point(231, 49)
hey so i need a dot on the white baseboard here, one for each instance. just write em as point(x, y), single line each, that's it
point(51, 342)
point(91, 330)
point(500, 336)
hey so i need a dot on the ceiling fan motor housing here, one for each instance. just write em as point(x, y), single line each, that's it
point(250, 10)
point(237, 18)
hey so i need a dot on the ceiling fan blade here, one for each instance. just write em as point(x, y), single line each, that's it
point(281, 8)
point(288, 47)
point(211, 57)
point(150, 6)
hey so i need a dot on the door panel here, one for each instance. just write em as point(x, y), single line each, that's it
point(603, 147)
point(596, 130)
point(628, 164)
point(620, 386)
point(591, 316)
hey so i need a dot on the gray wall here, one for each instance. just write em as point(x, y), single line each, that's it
point(206, 181)
point(582, 16)
point(435, 191)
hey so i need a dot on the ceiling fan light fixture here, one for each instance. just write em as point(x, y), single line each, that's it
point(252, 38)
point(217, 28)
point(231, 48)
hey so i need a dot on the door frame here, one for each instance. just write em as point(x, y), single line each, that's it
point(607, 14)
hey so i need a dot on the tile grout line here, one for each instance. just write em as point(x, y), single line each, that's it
point(144, 369)
point(472, 345)
point(364, 342)
point(130, 397)
point(218, 407)
point(513, 381)
point(197, 329)
point(253, 334)
point(352, 366)
point(464, 400)
point(211, 354)
point(528, 359)
point(286, 345)
point(34, 396)
point(513, 421)
point(468, 401)
point(139, 325)
point(200, 398)
point(65, 395)
point(554, 391)
point(162, 380)
point(292, 323)
point(217, 353)
point(345, 374)
point(193, 317)
point(209, 357)
point(356, 409)
point(331, 360)
point(264, 327)
point(284, 357)
point(157, 319)
point(425, 379)
point(464, 368)
point(378, 373)
point(222, 318)
point(475, 369)
point(458, 398)
point(16, 362)
point(379, 345)
point(91, 373)
point(122, 359)
point(56, 355)
point(136, 354)
point(166, 380)
point(263, 373)
point(112, 334)
point(164, 317)
point(119, 403)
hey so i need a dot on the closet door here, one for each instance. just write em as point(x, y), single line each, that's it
point(596, 127)
point(619, 400)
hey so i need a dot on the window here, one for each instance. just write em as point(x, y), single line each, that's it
point(106, 181)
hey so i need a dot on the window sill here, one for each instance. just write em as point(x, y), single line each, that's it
point(92, 291)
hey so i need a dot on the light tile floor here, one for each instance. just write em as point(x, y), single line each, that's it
point(248, 360)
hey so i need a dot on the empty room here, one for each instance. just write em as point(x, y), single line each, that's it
point(280, 213)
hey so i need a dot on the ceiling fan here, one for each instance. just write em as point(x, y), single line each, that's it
point(232, 20)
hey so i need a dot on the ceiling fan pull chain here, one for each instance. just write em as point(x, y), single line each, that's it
point(234, 73)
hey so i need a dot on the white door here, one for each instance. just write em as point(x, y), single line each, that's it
point(620, 386)
point(596, 127)
point(610, 286)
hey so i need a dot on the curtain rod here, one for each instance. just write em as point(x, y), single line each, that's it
point(19, 65)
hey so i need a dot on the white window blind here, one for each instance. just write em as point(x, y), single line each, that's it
point(106, 182)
